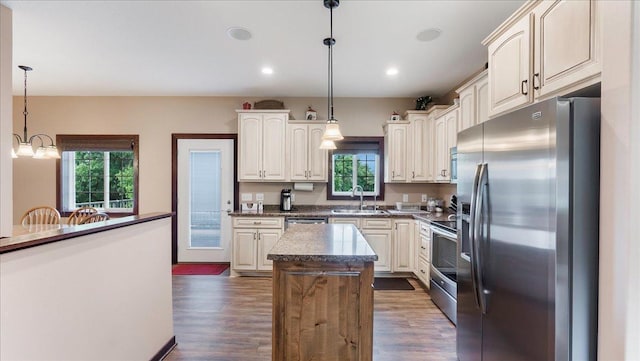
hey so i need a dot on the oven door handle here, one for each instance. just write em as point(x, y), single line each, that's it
point(445, 234)
point(477, 237)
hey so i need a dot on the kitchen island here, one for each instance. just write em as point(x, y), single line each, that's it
point(322, 294)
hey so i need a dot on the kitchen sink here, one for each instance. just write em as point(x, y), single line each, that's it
point(358, 212)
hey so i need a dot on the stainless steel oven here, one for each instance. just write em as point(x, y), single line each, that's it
point(443, 267)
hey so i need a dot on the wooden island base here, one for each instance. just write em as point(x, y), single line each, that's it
point(322, 294)
point(322, 311)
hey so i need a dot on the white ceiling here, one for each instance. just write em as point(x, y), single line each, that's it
point(181, 47)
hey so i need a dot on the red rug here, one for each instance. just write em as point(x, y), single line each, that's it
point(198, 269)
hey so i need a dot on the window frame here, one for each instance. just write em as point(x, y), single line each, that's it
point(379, 141)
point(106, 142)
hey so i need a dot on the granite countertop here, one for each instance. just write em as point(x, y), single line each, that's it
point(325, 211)
point(322, 243)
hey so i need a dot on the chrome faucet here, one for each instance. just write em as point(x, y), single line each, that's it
point(353, 193)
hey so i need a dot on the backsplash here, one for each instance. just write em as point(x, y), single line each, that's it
point(393, 193)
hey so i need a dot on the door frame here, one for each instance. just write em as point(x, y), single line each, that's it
point(174, 179)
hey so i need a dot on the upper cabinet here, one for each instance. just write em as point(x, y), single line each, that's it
point(547, 48)
point(410, 147)
point(307, 162)
point(474, 101)
point(396, 140)
point(420, 143)
point(446, 131)
point(261, 145)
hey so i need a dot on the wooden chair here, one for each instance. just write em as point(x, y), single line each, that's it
point(96, 217)
point(77, 216)
point(41, 215)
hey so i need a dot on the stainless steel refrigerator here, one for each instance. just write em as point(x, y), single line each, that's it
point(528, 190)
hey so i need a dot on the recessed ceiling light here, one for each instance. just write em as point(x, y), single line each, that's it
point(238, 33)
point(429, 34)
point(392, 71)
point(267, 70)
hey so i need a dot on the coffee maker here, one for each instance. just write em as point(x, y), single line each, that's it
point(285, 200)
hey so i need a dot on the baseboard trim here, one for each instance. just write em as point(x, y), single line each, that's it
point(162, 353)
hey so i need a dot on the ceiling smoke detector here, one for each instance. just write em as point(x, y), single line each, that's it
point(428, 34)
point(239, 33)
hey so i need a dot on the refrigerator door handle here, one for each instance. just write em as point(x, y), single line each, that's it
point(477, 234)
point(472, 250)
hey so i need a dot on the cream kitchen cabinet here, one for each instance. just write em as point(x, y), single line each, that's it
point(420, 142)
point(474, 101)
point(307, 162)
point(446, 130)
point(253, 237)
point(403, 249)
point(546, 48)
point(261, 145)
point(378, 233)
point(396, 149)
point(423, 244)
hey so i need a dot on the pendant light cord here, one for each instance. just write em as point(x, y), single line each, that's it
point(331, 59)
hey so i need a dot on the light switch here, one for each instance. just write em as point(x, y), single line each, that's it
point(259, 196)
point(246, 197)
point(405, 198)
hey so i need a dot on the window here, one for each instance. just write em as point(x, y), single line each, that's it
point(356, 162)
point(99, 171)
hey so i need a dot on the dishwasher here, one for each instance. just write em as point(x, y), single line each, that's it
point(304, 220)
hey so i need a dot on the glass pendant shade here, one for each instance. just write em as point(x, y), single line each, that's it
point(327, 144)
point(25, 150)
point(41, 153)
point(52, 152)
point(332, 132)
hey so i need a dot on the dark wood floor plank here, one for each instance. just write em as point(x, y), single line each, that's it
point(218, 318)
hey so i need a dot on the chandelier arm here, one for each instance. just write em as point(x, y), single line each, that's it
point(17, 136)
point(39, 136)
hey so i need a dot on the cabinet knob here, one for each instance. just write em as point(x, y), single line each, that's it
point(413, 174)
point(257, 222)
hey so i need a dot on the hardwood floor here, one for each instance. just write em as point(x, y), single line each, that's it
point(218, 318)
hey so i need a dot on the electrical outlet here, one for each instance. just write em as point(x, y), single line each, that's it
point(247, 197)
point(405, 198)
point(259, 196)
point(293, 197)
point(424, 198)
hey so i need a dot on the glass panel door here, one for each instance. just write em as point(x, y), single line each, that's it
point(205, 194)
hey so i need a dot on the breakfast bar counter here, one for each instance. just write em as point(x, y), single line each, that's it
point(322, 293)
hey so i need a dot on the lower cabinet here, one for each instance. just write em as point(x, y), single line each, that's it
point(403, 245)
point(252, 240)
point(380, 241)
point(423, 243)
point(378, 232)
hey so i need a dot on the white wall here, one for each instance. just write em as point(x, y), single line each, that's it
point(619, 298)
point(104, 296)
point(6, 124)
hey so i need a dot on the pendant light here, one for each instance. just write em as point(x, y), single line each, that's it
point(332, 130)
point(25, 143)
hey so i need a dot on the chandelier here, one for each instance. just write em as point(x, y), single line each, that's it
point(25, 143)
point(332, 130)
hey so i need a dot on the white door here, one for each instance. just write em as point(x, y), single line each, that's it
point(205, 193)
